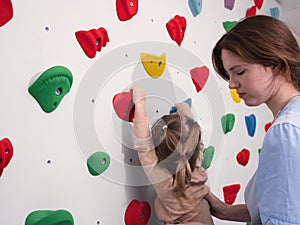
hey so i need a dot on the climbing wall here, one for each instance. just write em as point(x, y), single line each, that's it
point(66, 117)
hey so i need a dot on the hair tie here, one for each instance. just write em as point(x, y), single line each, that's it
point(165, 127)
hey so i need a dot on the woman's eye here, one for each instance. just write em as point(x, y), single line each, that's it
point(240, 73)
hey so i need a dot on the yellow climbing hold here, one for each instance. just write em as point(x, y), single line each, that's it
point(154, 65)
point(234, 95)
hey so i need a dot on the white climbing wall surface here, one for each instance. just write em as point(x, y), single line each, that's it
point(65, 124)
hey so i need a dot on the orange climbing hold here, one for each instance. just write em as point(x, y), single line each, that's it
point(176, 28)
point(137, 213)
point(230, 193)
point(199, 77)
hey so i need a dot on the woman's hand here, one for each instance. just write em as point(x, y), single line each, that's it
point(225, 211)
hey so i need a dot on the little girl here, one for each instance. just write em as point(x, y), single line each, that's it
point(171, 156)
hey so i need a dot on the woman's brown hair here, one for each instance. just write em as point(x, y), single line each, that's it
point(177, 141)
point(261, 40)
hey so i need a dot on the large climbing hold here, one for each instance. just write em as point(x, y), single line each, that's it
point(49, 87)
point(230, 193)
point(98, 162)
point(123, 106)
point(50, 217)
point(227, 122)
point(195, 7)
point(154, 65)
point(92, 41)
point(126, 9)
point(251, 124)
point(6, 153)
point(199, 77)
point(208, 154)
point(176, 28)
point(137, 213)
point(6, 11)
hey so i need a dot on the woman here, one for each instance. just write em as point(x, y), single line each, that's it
point(260, 58)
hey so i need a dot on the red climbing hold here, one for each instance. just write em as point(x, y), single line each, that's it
point(123, 106)
point(137, 213)
point(267, 126)
point(230, 193)
point(6, 10)
point(243, 157)
point(126, 9)
point(92, 41)
point(176, 28)
point(258, 3)
point(251, 11)
point(6, 153)
point(199, 77)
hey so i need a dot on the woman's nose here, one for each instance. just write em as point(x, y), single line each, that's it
point(233, 83)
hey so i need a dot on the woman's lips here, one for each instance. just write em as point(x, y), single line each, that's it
point(241, 95)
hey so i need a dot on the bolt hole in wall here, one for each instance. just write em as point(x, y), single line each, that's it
point(95, 128)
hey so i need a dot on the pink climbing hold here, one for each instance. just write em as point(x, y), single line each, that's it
point(199, 77)
point(123, 106)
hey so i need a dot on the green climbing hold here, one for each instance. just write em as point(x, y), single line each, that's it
point(49, 217)
point(228, 25)
point(228, 122)
point(51, 86)
point(97, 163)
point(208, 154)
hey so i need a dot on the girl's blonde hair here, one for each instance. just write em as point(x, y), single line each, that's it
point(178, 145)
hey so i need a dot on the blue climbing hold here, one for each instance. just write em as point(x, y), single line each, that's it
point(251, 124)
point(188, 101)
point(195, 7)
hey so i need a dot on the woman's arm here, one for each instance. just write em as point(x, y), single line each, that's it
point(225, 211)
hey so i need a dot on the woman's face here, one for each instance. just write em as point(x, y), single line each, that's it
point(254, 83)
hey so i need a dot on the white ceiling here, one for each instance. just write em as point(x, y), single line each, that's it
point(290, 13)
